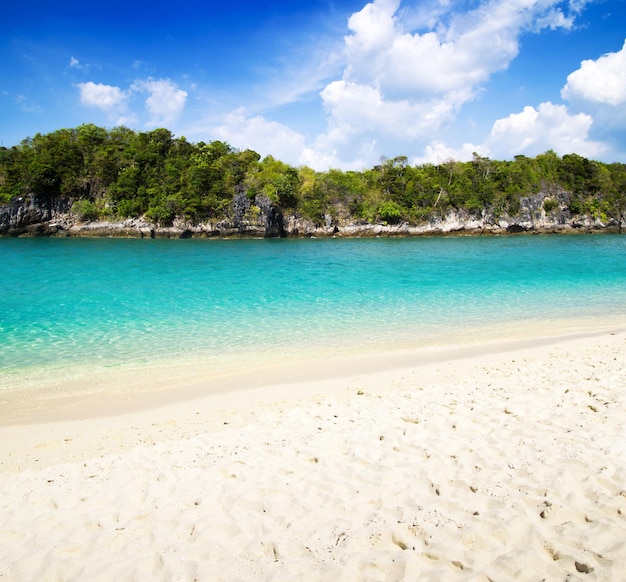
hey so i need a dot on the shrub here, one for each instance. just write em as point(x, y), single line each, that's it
point(390, 212)
point(549, 204)
point(85, 210)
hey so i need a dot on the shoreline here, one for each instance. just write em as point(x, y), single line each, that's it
point(231, 394)
point(503, 464)
point(454, 222)
point(52, 396)
point(120, 230)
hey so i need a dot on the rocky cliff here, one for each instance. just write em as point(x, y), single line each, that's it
point(35, 216)
point(41, 216)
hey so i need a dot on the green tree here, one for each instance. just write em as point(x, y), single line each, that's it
point(276, 180)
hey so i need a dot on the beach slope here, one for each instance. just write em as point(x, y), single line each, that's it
point(507, 465)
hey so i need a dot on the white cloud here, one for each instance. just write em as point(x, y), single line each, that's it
point(405, 83)
point(359, 108)
point(105, 97)
point(554, 19)
point(438, 153)
point(534, 131)
point(78, 66)
point(382, 54)
point(164, 104)
point(453, 54)
point(166, 101)
point(319, 159)
point(601, 81)
point(261, 135)
point(530, 132)
point(331, 149)
point(110, 99)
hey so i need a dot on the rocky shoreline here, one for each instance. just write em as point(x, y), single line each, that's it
point(36, 216)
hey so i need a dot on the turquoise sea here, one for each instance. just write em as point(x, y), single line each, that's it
point(84, 303)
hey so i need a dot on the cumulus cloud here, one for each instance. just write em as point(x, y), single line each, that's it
point(534, 131)
point(529, 132)
point(361, 108)
point(332, 149)
point(166, 101)
point(164, 104)
point(406, 83)
point(109, 99)
point(106, 97)
point(601, 81)
point(382, 53)
point(261, 135)
point(438, 152)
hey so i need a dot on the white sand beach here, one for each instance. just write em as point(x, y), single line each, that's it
point(501, 463)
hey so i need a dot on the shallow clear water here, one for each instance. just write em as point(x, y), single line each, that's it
point(66, 302)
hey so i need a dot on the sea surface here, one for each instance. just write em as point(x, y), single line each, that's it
point(98, 303)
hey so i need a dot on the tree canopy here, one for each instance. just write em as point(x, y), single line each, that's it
point(121, 173)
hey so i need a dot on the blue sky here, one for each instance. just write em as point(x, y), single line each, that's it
point(326, 83)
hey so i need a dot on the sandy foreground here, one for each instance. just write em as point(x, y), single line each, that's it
point(491, 465)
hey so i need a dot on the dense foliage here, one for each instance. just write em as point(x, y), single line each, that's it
point(121, 173)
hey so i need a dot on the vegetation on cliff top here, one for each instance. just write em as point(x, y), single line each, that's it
point(120, 173)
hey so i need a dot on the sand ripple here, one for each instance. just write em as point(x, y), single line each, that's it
point(507, 467)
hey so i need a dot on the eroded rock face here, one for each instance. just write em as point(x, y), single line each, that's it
point(272, 217)
point(34, 215)
point(41, 216)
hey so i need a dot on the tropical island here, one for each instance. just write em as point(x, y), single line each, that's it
point(92, 181)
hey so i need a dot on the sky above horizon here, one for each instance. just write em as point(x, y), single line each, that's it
point(324, 83)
